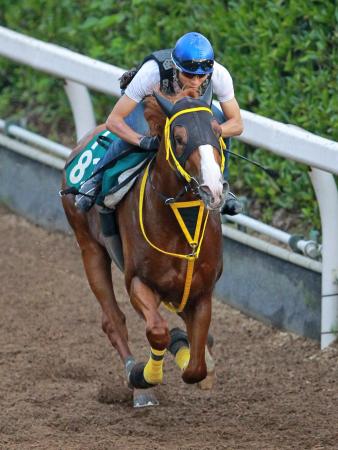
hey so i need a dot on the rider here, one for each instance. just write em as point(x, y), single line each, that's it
point(189, 65)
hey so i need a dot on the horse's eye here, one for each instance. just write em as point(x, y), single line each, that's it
point(180, 137)
point(179, 140)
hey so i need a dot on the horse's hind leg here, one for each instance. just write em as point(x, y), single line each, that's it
point(98, 270)
point(179, 347)
point(208, 381)
point(97, 265)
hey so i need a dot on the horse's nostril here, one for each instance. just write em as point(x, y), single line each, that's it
point(225, 187)
point(207, 191)
point(207, 196)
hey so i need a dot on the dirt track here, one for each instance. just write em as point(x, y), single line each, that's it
point(62, 387)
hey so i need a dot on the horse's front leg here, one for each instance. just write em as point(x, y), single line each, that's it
point(197, 316)
point(146, 303)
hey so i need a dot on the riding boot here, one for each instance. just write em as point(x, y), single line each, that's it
point(111, 236)
point(88, 193)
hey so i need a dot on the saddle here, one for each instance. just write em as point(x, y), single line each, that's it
point(119, 176)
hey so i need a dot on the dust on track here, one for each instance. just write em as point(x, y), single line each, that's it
point(63, 387)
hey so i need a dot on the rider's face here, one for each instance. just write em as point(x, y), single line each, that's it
point(189, 81)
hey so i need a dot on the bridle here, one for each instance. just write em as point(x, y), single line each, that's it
point(179, 161)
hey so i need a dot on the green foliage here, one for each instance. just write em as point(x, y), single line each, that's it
point(282, 55)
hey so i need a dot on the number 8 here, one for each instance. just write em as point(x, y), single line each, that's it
point(78, 170)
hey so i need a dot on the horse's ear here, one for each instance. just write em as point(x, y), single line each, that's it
point(207, 96)
point(165, 104)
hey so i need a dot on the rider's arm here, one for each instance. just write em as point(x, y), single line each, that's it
point(224, 90)
point(234, 125)
point(141, 85)
point(116, 123)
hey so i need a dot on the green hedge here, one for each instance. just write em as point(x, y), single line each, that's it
point(282, 55)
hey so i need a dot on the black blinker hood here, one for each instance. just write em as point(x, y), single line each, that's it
point(197, 125)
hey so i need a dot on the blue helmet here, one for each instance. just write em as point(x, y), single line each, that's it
point(193, 54)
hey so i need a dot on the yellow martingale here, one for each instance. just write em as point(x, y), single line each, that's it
point(176, 207)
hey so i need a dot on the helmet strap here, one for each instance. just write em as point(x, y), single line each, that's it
point(177, 78)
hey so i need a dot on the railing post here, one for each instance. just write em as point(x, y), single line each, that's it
point(82, 107)
point(327, 196)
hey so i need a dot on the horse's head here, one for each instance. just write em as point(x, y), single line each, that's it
point(194, 145)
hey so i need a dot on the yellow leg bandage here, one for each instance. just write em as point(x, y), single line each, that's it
point(182, 357)
point(153, 372)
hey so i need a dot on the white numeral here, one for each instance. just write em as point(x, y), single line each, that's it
point(78, 170)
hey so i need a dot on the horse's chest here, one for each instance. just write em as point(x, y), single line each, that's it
point(169, 279)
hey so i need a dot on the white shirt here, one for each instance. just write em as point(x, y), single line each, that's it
point(148, 78)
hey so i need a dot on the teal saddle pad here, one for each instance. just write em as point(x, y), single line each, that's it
point(79, 169)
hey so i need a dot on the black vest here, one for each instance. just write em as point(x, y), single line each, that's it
point(166, 68)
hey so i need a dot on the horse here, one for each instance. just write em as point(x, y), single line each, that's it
point(171, 238)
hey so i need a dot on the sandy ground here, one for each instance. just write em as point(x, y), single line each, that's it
point(62, 386)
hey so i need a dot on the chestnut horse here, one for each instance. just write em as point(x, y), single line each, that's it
point(163, 261)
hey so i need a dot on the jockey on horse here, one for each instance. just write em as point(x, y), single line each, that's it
point(189, 65)
point(169, 223)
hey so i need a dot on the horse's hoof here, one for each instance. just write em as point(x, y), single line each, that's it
point(210, 341)
point(208, 382)
point(143, 399)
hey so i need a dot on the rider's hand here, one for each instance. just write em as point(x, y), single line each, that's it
point(149, 142)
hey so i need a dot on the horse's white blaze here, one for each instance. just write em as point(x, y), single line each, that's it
point(211, 171)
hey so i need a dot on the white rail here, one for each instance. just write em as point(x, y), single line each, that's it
point(271, 249)
point(284, 140)
point(290, 142)
point(60, 62)
point(308, 248)
point(32, 153)
point(54, 148)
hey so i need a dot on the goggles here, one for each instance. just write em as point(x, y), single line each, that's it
point(193, 75)
point(192, 66)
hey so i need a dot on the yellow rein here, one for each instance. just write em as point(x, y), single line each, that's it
point(195, 242)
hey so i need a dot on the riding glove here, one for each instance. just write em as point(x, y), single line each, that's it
point(149, 142)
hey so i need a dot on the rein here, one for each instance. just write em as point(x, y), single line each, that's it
point(195, 241)
point(189, 187)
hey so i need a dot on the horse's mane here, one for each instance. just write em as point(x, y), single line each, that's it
point(154, 114)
